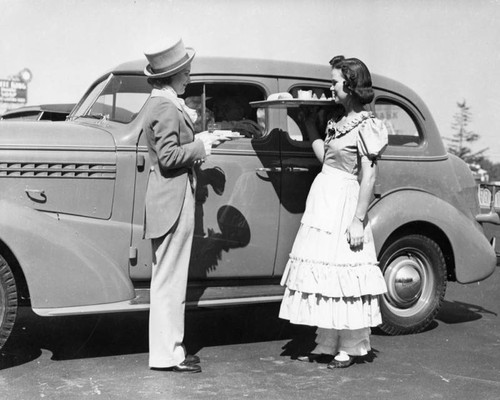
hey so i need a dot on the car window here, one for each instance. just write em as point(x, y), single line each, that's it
point(307, 92)
point(226, 106)
point(402, 129)
point(53, 116)
point(296, 115)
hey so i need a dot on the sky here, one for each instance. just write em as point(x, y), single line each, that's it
point(447, 51)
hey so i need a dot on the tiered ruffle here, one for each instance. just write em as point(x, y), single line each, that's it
point(333, 280)
point(329, 312)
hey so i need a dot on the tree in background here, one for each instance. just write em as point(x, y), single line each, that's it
point(463, 137)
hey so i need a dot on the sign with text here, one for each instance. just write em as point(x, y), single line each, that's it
point(13, 91)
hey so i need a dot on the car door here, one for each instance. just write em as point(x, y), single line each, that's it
point(237, 196)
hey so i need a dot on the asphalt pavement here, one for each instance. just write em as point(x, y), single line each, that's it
point(248, 353)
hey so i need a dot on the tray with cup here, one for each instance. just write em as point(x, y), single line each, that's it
point(284, 100)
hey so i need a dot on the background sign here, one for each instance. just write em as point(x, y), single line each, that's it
point(13, 91)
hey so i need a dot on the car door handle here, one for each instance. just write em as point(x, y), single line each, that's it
point(35, 192)
point(296, 169)
point(37, 195)
point(264, 169)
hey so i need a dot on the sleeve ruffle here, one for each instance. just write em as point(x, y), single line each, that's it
point(372, 138)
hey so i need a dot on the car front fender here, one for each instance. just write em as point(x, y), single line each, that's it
point(62, 268)
point(474, 256)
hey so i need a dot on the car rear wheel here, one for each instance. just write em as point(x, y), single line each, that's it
point(8, 301)
point(415, 272)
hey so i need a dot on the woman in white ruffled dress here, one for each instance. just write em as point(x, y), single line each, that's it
point(332, 277)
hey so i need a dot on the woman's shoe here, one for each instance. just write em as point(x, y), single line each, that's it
point(340, 364)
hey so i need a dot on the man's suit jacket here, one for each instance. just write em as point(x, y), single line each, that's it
point(172, 149)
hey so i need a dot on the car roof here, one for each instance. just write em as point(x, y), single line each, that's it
point(205, 65)
point(241, 66)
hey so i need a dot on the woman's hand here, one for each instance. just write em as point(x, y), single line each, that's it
point(355, 233)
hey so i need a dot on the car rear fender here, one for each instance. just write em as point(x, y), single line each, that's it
point(474, 256)
point(62, 268)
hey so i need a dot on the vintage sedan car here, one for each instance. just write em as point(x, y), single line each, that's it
point(42, 112)
point(72, 199)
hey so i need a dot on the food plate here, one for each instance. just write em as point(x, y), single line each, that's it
point(228, 134)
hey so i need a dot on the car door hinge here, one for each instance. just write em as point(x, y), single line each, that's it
point(141, 162)
point(132, 253)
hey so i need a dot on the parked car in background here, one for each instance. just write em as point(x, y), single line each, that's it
point(72, 199)
point(489, 201)
point(43, 112)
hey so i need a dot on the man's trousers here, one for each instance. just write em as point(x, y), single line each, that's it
point(171, 254)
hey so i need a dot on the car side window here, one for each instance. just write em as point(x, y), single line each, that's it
point(402, 129)
point(297, 115)
point(53, 116)
point(226, 106)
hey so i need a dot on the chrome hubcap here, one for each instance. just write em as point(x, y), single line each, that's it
point(409, 280)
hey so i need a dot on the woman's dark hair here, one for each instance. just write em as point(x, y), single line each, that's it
point(357, 77)
point(158, 83)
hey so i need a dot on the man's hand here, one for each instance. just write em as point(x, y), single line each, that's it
point(211, 139)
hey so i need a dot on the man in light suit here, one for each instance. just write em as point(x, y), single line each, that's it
point(169, 221)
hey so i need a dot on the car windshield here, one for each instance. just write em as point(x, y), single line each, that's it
point(116, 98)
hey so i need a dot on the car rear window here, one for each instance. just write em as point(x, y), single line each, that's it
point(402, 129)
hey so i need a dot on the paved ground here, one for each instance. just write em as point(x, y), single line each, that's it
point(247, 354)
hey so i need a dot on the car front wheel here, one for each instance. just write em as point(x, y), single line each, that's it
point(8, 301)
point(415, 272)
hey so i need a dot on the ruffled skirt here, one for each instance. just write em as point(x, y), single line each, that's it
point(328, 284)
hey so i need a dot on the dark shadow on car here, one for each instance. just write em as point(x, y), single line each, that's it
point(207, 249)
point(234, 230)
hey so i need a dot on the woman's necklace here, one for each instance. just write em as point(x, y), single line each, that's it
point(333, 131)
